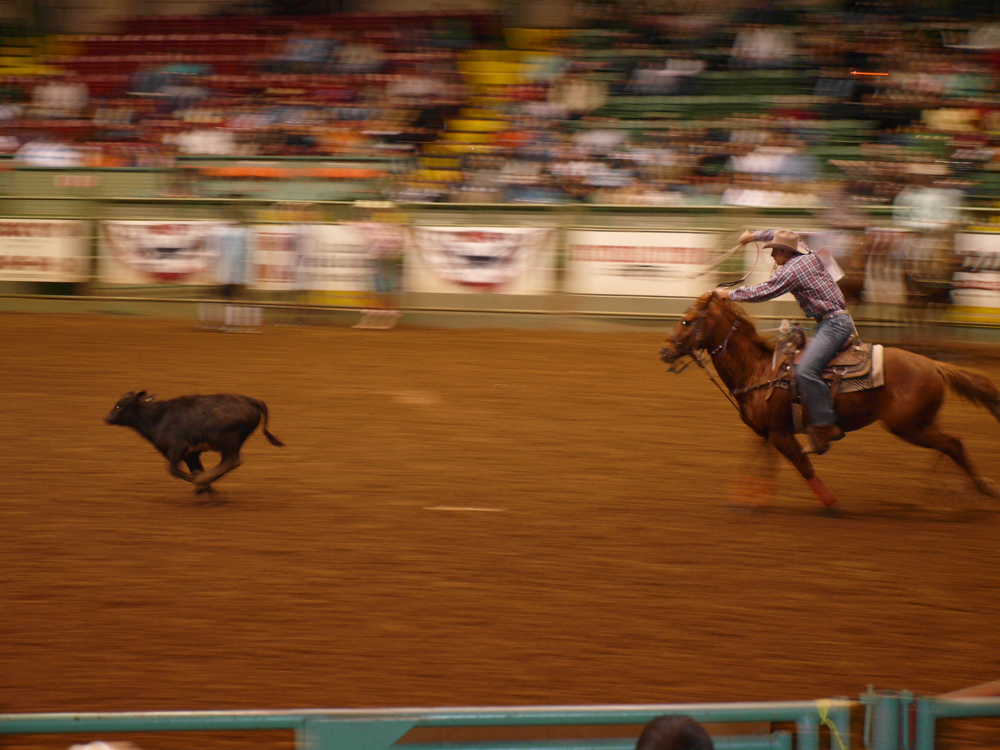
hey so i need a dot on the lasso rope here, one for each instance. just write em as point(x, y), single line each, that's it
point(726, 256)
point(823, 708)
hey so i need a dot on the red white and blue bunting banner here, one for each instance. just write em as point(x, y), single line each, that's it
point(501, 260)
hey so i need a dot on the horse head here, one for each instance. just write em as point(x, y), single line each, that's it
point(710, 324)
point(694, 331)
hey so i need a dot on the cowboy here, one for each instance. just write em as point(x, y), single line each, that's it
point(803, 274)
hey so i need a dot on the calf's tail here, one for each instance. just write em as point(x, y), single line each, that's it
point(972, 386)
point(262, 407)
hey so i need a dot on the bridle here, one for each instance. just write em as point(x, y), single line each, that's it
point(698, 334)
point(698, 346)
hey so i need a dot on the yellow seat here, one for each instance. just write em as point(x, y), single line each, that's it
point(480, 113)
point(438, 175)
point(467, 137)
point(458, 149)
point(495, 55)
point(476, 126)
point(439, 162)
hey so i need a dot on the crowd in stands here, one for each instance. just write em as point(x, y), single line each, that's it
point(778, 108)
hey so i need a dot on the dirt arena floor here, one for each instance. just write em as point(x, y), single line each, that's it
point(462, 518)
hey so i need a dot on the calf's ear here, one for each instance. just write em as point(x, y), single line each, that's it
point(144, 398)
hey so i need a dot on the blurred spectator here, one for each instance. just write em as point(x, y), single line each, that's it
point(148, 80)
point(182, 92)
point(231, 246)
point(358, 57)
point(761, 46)
point(599, 136)
point(578, 94)
point(10, 111)
point(204, 141)
point(672, 76)
point(304, 51)
point(927, 203)
point(931, 209)
point(49, 151)
point(384, 235)
point(546, 67)
point(380, 92)
point(59, 98)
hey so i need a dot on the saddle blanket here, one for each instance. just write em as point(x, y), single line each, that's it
point(874, 379)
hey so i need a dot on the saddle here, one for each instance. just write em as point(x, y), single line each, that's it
point(854, 360)
point(856, 367)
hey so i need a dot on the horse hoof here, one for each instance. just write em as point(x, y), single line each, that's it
point(750, 492)
point(746, 508)
point(987, 487)
point(201, 489)
point(822, 492)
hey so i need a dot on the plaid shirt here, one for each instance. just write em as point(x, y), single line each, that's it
point(805, 277)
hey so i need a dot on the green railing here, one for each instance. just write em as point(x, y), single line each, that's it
point(893, 720)
point(384, 729)
point(897, 720)
point(929, 710)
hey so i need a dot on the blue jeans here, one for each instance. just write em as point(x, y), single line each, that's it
point(830, 337)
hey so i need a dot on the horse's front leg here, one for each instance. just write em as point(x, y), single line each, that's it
point(784, 441)
point(753, 486)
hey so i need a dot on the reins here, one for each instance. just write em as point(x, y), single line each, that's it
point(722, 348)
point(718, 349)
point(725, 391)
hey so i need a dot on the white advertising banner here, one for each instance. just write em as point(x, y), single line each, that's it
point(322, 257)
point(42, 250)
point(501, 260)
point(280, 256)
point(640, 264)
point(977, 284)
point(156, 252)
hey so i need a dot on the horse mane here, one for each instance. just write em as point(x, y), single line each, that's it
point(733, 311)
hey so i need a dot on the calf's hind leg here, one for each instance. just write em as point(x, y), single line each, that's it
point(230, 460)
point(193, 461)
point(174, 467)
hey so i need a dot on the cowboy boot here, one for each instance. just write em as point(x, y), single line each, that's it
point(821, 436)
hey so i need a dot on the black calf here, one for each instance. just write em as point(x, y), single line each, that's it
point(182, 428)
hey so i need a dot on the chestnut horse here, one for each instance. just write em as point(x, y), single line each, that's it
point(907, 404)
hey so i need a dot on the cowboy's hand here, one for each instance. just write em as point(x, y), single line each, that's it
point(746, 237)
point(721, 293)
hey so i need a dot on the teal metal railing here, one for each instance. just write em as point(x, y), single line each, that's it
point(929, 710)
point(893, 720)
point(382, 730)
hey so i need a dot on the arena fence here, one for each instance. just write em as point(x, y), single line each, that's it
point(382, 730)
point(892, 720)
point(929, 710)
point(603, 293)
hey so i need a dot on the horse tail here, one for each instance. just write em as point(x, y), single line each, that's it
point(972, 386)
point(262, 408)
